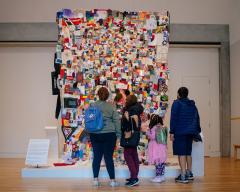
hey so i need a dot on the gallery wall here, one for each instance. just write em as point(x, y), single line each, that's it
point(184, 11)
point(13, 104)
point(235, 71)
point(27, 105)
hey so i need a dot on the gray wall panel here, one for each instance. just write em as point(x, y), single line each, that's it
point(28, 32)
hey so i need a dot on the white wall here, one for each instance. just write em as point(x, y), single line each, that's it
point(235, 71)
point(27, 105)
point(12, 114)
point(182, 11)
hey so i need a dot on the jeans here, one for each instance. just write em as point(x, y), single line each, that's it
point(103, 145)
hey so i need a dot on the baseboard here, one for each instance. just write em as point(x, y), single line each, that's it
point(12, 155)
point(215, 154)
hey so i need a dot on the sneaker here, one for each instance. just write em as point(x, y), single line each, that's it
point(163, 178)
point(129, 179)
point(96, 183)
point(128, 182)
point(158, 179)
point(132, 182)
point(181, 179)
point(114, 184)
point(189, 176)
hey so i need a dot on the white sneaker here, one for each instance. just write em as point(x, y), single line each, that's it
point(158, 179)
point(114, 184)
point(163, 178)
point(96, 183)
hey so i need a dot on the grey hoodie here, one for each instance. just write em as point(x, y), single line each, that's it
point(111, 118)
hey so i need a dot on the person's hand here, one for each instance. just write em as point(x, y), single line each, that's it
point(126, 115)
point(117, 142)
point(171, 137)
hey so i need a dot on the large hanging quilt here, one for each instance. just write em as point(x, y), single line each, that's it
point(120, 50)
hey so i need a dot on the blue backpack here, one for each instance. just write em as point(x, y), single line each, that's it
point(93, 119)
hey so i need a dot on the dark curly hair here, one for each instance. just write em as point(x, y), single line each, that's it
point(154, 120)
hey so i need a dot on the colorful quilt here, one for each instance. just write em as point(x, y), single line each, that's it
point(120, 50)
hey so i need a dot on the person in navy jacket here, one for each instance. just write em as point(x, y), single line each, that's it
point(184, 126)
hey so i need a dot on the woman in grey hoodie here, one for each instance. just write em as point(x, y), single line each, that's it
point(104, 141)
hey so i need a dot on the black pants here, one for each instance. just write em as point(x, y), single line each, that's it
point(103, 145)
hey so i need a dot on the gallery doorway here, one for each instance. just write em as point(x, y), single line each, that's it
point(198, 69)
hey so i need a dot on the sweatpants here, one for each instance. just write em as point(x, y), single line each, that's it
point(160, 169)
point(131, 158)
point(103, 145)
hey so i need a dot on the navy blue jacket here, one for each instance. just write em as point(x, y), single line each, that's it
point(184, 118)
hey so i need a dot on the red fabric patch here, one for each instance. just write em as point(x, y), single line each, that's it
point(63, 164)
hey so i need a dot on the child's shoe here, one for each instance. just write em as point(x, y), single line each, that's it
point(181, 179)
point(163, 178)
point(189, 176)
point(158, 179)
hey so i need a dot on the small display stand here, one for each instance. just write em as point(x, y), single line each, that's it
point(52, 135)
point(37, 153)
point(198, 158)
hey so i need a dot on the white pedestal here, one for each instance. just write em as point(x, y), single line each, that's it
point(85, 171)
point(198, 158)
point(52, 135)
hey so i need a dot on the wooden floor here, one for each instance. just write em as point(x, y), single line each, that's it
point(221, 174)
